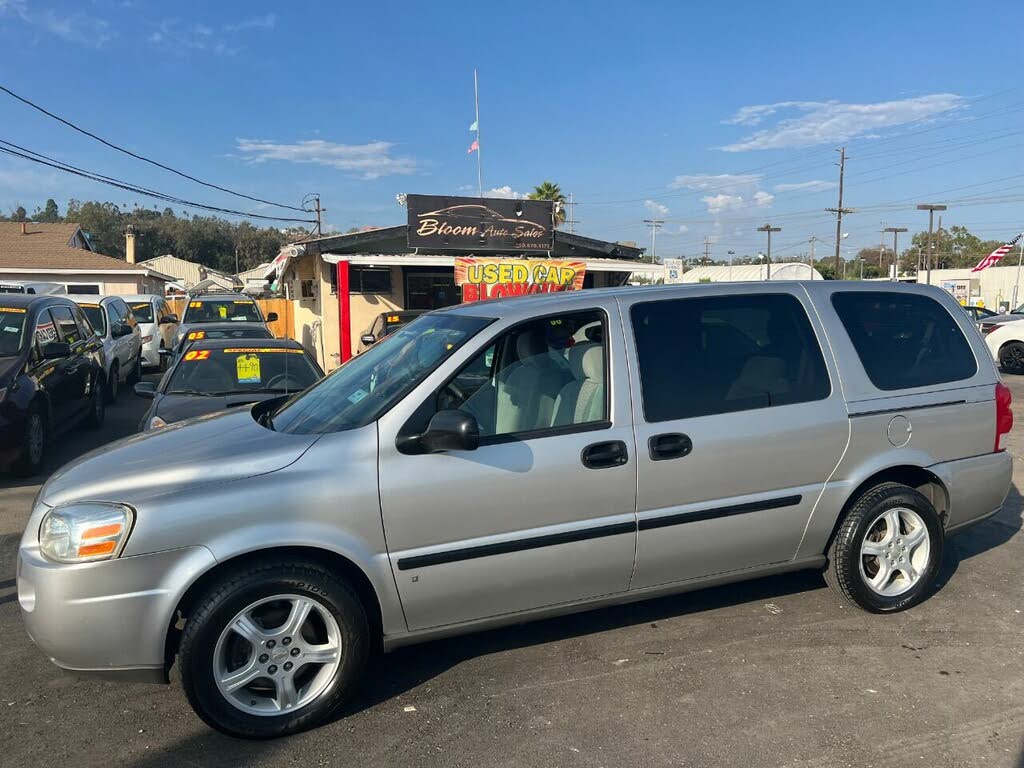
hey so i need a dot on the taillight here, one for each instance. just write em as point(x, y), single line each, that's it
point(1004, 415)
point(987, 329)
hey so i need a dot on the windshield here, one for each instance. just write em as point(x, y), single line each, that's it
point(97, 317)
point(221, 310)
point(241, 369)
point(143, 312)
point(226, 333)
point(367, 385)
point(12, 330)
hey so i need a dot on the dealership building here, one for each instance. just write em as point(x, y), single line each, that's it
point(451, 250)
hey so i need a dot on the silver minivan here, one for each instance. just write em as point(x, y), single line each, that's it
point(503, 461)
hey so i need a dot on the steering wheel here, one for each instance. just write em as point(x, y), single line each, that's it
point(281, 381)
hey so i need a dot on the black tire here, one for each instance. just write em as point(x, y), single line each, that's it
point(113, 383)
point(30, 460)
point(845, 561)
point(1011, 357)
point(136, 375)
point(97, 404)
point(232, 594)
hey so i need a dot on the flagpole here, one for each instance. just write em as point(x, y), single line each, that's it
point(1016, 285)
point(479, 162)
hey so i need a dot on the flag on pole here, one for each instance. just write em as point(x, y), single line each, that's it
point(474, 147)
point(475, 126)
point(997, 255)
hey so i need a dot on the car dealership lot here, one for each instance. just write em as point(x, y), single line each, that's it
point(771, 672)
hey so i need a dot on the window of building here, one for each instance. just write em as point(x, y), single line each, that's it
point(721, 354)
point(904, 340)
point(93, 289)
point(369, 280)
point(545, 374)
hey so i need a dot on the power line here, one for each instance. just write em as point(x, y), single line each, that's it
point(128, 152)
point(36, 157)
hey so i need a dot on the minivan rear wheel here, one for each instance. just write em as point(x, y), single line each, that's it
point(887, 552)
point(273, 649)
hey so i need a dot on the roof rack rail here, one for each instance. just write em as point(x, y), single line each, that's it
point(201, 290)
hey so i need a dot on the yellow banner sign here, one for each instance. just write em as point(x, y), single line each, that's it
point(494, 278)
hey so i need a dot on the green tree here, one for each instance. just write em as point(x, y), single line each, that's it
point(548, 190)
point(19, 214)
point(102, 222)
point(49, 214)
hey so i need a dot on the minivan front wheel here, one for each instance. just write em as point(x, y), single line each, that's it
point(273, 649)
point(888, 550)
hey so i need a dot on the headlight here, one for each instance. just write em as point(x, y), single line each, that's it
point(84, 532)
point(156, 422)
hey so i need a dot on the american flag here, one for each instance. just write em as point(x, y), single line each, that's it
point(997, 255)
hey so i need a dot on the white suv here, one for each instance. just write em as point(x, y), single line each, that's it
point(122, 343)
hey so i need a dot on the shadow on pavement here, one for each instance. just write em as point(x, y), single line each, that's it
point(992, 533)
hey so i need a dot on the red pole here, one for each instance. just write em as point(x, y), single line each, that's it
point(344, 314)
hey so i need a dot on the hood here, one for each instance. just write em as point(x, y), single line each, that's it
point(212, 449)
point(172, 408)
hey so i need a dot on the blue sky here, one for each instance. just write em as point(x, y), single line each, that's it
point(714, 117)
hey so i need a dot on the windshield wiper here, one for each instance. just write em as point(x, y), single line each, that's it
point(191, 392)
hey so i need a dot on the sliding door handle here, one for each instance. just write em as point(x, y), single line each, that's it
point(611, 453)
point(672, 445)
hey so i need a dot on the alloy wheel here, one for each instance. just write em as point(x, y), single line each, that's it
point(895, 551)
point(277, 655)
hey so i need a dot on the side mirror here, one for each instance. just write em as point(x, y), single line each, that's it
point(368, 339)
point(451, 430)
point(55, 350)
point(272, 317)
point(173, 319)
point(146, 389)
point(122, 330)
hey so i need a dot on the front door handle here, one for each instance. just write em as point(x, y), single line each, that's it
point(611, 453)
point(672, 445)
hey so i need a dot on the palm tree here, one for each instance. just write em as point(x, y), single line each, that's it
point(548, 190)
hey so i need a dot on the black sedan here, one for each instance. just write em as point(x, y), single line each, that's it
point(214, 375)
point(51, 376)
point(224, 331)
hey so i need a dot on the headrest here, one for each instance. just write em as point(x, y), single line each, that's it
point(593, 363)
point(575, 358)
point(529, 344)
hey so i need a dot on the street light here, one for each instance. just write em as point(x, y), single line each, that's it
point(895, 253)
point(931, 208)
point(768, 258)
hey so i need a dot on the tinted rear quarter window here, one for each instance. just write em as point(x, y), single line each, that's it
point(904, 340)
point(721, 354)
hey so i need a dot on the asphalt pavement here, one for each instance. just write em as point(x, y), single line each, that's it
point(772, 672)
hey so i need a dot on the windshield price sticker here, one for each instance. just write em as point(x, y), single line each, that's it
point(15, 310)
point(195, 304)
point(192, 335)
point(139, 306)
point(260, 350)
point(223, 311)
point(243, 302)
point(248, 369)
point(197, 354)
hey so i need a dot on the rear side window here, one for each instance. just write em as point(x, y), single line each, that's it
point(720, 354)
point(66, 323)
point(904, 340)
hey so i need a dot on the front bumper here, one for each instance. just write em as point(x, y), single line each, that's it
point(108, 618)
point(977, 487)
point(151, 353)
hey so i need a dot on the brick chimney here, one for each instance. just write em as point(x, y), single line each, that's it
point(129, 244)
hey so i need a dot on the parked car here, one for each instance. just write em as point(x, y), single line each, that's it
point(157, 324)
point(220, 307)
point(221, 374)
point(1006, 346)
point(27, 286)
point(497, 462)
point(122, 343)
point(239, 330)
point(978, 314)
point(51, 376)
point(385, 324)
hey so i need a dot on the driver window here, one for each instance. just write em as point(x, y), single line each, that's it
point(46, 331)
point(541, 375)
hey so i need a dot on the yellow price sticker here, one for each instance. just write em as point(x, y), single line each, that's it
point(394, 319)
point(243, 302)
point(14, 310)
point(195, 304)
point(192, 335)
point(250, 350)
point(222, 310)
point(248, 369)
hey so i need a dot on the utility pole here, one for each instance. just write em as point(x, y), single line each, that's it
point(839, 210)
point(768, 256)
point(895, 253)
point(931, 208)
point(655, 225)
point(881, 245)
point(707, 245)
point(571, 221)
point(810, 262)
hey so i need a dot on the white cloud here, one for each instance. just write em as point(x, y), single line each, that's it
point(763, 199)
point(366, 161)
point(269, 21)
point(722, 202)
point(77, 27)
point(723, 181)
point(820, 122)
point(726, 191)
point(683, 229)
point(506, 192)
point(810, 186)
point(656, 208)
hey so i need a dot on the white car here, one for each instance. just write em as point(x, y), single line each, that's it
point(157, 324)
point(115, 324)
point(1006, 343)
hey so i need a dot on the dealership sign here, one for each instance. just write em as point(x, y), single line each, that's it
point(480, 224)
point(494, 278)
